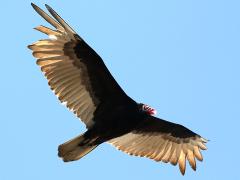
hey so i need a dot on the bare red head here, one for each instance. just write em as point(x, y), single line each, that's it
point(149, 110)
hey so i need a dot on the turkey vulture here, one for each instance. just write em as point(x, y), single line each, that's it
point(80, 80)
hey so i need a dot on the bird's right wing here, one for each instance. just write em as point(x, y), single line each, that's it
point(162, 141)
point(74, 71)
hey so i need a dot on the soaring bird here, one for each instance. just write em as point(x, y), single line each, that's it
point(79, 78)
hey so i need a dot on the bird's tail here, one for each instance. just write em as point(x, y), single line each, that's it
point(75, 148)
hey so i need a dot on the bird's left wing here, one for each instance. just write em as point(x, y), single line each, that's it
point(161, 140)
point(75, 72)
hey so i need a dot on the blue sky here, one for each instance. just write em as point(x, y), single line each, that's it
point(181, 57)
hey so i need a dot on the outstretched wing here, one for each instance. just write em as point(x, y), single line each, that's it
point(74, 71)
point(161, 140)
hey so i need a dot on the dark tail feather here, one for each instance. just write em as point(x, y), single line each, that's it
point(72, 150)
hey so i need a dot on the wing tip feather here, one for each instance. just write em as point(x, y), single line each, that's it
point(48, 7)
point(30, 46)
point(33, 5)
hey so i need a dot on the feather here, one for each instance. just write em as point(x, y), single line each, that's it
point(47, 17)
point(61, 21)
point(182, 162)
point(174, 158)
point(46, 54)
point(48, 31)
point(197, 153)
point(202, 146)
point(191, 159)
point(163, 151)
point(167, 154)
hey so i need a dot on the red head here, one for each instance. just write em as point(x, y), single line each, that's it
point(149, 110)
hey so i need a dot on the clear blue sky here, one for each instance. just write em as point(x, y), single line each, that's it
point(181, 57)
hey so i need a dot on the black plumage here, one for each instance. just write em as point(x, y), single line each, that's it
point(80, 79)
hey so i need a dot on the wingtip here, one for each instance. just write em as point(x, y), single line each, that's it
point(34, 6)
point(29, 46)
point(193, 166)
point(182, 172)
point(48, 7)
point(205, 140)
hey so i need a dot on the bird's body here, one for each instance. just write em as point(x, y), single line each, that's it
point(116, 122)
point(79, 78)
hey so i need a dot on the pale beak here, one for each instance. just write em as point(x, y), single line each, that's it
point(153, 112)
